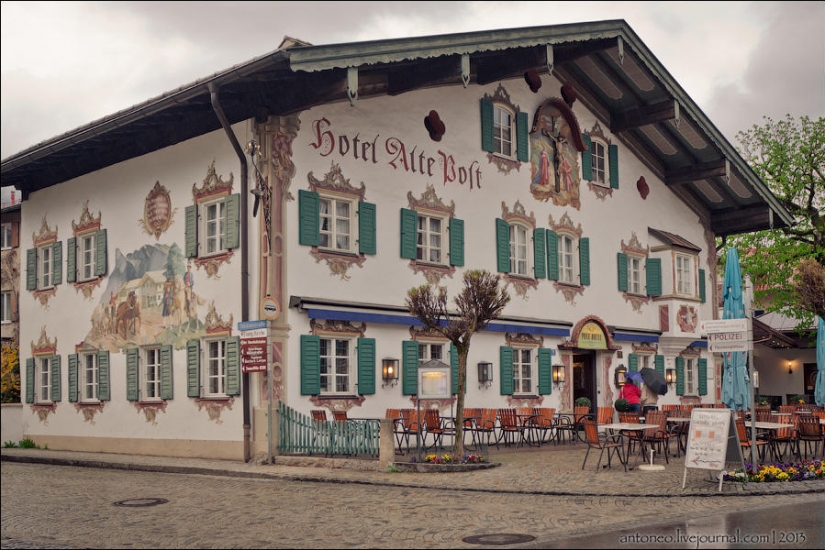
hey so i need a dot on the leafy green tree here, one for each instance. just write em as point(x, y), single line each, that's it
point(480, 301)
point(789, 156)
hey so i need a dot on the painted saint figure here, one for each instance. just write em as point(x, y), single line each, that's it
point(189, 289)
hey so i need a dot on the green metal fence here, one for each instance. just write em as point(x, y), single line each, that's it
point(300, 434)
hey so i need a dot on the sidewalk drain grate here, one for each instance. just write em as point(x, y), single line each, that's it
point(498, 539)
point(140, 502)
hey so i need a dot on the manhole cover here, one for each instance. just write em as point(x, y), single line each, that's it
point(498, 539)
point(140, 502)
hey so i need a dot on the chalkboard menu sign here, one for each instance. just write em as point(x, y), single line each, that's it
point(712, 441)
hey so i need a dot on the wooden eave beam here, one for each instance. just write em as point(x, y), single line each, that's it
point(429, 73)
point(690, 174)
point(643, 116)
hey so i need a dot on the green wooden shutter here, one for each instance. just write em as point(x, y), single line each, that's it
point(72, 366)
point(613, 162)
point(193, 363)
point(659, 364)
point(552, 255)
point(456, 242)
point(310, 364)
point(31, 269)
point(621, 263)
point(132, 374)
point(502, 246)
point(545, 386)
point(57, 390)
point(30, 380)
point(680, 376)
point(233, 365)
point(632, 362)
point(57, 263)
point(454, 369)
point(104, 379)
point(653, 276)
point(366, 366)
point(409, 233)
point(584, 261)
point(702, 294)
point(587, 158)
point(101, 253)
point(308, 218)
point(539, 253)
point(409, 367)
point(167, 387)
point(505, 354)
point(703, 376)
point(522, 136)
point(366, 228)
point(487, 143)
point(71, 263)
point(191, 230)
point(232, 227)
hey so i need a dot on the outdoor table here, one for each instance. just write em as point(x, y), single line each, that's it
point(770, 426)
point(629, 427)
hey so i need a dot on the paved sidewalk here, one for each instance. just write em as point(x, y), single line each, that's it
point(546, 470)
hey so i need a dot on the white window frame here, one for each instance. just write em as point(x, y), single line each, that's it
point(331, 359)
point(428, 350)
point(43, 379)
point(504, 131)
point(45, 266)
point(691, 376)
point(520, 246)
point(214, 373)
point(341, 233)
point(568, 259)
point(214, 221)
point(89, 377)
point(150, 367)
point(685, 274)
point(431, 245)
point(5, 236)
point(599, 162)
point(635, 280)
point(5, 306)
point(86, 255)
point(524, 363)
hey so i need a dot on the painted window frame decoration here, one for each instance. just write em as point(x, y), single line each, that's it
point(213, 192)
point(452, 237)
point(411, 360)
point(79, 384)
point(6, 306)
point(93, 259)
point(602, 178)
point(362, 221)
point(536, 253)
point(541, 370)
point(43, 242)
point(43, 354)
point(564, 228)
point(499, 102)
point(699, 366)
point(650, 282)
point(6, 236)
point(137, 374)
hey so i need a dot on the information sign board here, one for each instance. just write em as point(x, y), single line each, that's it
point(721, 342)
point(712, 441)
point(723, 325)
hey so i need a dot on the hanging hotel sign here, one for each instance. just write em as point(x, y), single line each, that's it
point(254, 345)
point(592, 336)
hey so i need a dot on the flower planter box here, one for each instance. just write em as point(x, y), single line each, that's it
point(429, 467)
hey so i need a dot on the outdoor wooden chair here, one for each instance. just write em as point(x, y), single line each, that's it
point(810, 431)
point(545, 422)
point(783, 437)
point(339, 416)
point(485, 425)
point(746, 441)
point(509, 427)
point(633, 437)
point(434, 426)
point(657, 435)
point(612, 443)
point(789, 409)
point(319, 414)
point(605, 415)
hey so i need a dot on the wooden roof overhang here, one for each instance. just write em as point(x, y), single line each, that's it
point(612, 72)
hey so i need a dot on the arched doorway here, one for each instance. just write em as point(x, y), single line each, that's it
point(584, 376)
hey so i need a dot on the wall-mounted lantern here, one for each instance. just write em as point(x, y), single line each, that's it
point(790, 367)
point(485, 374)
point(670, 376)
point(619, 376)
point(558, 374)
point(389, 372)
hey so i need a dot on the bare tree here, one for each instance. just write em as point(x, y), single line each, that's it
point(480, 302)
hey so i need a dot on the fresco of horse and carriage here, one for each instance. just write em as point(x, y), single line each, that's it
point(150, 299)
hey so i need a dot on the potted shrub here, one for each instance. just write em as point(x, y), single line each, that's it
point(798, 400)
point(622, 405)
point(583, 402)
point(764, 401)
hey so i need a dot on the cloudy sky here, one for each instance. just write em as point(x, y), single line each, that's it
point(65, 64)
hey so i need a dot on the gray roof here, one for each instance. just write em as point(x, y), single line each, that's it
point(612, 72)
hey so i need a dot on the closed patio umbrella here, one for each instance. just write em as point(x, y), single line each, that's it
point(736, 389)
point(819, 389)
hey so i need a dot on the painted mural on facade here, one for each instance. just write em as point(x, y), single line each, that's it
point(151, 298)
